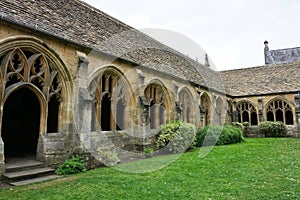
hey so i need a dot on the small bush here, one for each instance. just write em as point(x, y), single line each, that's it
point(148, 150)
point(272, 129)
point(246, 128)
point(238, 125)
point(218, 135)
point(176, 136)
point(243, 126)
point(71, 166)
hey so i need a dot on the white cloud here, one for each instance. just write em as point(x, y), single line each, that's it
point(231, 31)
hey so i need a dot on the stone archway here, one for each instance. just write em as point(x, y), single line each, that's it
point(21, 123)
point(30, 66)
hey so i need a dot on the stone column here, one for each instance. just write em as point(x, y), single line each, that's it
point(144, 116)
point(198, 113)
point(202, 113)
point(260, 110)
point(235, 117)
point(297, 110)
point(215, 115)
point(178, 110)
point(83, 105)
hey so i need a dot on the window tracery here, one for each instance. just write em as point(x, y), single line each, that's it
point(247, 113)
point(205, 108)
point(22, 66)
point(157, 101)
point(186, 103)
point(280, 110)
point(110, 103)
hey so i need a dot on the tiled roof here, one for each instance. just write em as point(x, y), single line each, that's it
point(81, 23)
point(265, 79)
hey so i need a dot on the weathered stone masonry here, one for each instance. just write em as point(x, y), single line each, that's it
point(91, 80)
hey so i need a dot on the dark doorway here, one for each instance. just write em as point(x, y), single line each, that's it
point(106, 113)
point(21, 123)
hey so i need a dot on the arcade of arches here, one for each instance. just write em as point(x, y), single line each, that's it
point(39, 118)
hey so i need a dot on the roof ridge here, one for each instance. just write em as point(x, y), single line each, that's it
point(140, 32)
point(285, 49)
point(261, 66)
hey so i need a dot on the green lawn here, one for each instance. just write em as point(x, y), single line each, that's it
point(255, 169)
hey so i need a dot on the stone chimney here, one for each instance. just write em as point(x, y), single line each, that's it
point(268, 58)
point(206, 60)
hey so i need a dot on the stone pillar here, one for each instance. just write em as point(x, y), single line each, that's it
point(83, 105)
point(202, 113)
point(144, 106)
point(178, 110)
point(235, 117)
point(260, 110)
point(215, 115)
point(177, 107)
point(297, 110)
point(199, 118)
point(268, 57)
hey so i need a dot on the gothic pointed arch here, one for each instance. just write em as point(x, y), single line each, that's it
point(158, 98)
point(279, 109)
point(186, 101)
point(205, 108)
point(113, 97)
point(247, 112)
point(30, 67)
point(29, 61)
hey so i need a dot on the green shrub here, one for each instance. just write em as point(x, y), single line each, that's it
point(238, 125)
point(176, 136)
point(218, 135)
point(272, 129)
point(71, 166)
point(148, 150)
point(246, 128)
point(243, 126)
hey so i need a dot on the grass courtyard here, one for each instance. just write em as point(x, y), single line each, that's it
point(267, 168)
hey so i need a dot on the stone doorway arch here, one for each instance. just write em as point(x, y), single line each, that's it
point(21, 123)
point(28, 64)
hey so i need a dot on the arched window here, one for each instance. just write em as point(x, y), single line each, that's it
point(279, 110)
point(110, 103)
point(156, 97)
point(205, 106)
point(247, 113)
point(186, 102)
point(25, 66)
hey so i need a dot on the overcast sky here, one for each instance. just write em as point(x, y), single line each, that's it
point(232, 32)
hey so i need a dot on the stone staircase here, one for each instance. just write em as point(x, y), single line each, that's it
point(26, 172)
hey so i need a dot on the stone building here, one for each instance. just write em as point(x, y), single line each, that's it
point(266, 93)
point(73, 78)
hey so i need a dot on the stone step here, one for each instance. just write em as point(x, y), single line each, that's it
point(27, 174)
point(34, 180)
point(20, 166)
